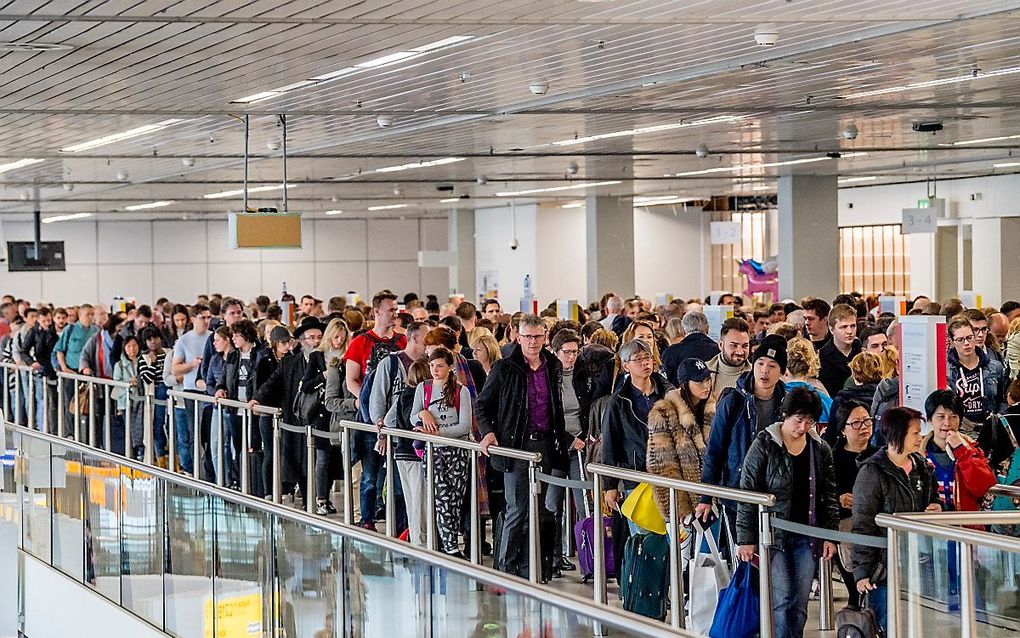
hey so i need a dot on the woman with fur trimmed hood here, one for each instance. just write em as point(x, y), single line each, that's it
point(678, 428)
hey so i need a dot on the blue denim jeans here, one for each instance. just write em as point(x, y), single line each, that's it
point(371, 464)
point(184, 422)
point(159, 422)
point(793, 569)
point(878, 600)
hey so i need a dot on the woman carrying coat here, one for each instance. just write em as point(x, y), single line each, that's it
point(789, 460)
point(678, 428)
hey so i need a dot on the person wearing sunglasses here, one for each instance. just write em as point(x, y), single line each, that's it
point(790, 461)
point(854, 427)
point(979, 380)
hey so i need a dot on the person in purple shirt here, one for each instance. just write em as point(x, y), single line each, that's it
point(521, 407)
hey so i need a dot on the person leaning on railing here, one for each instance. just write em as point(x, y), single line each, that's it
point(895, 479)
point(790, 461)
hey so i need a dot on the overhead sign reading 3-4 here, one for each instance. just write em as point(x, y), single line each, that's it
point(919, 220)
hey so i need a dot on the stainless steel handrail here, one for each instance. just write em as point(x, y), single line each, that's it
point(625, 621)
point(676, 593)
point(1001, 489)
point(533, 459)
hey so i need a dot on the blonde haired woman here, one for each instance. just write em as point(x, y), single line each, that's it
point(1013, 348)
point(335, 340)
point(486, 351)
point(865, 374)
point(802, 365)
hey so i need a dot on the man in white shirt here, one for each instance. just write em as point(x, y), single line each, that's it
point(187, 359)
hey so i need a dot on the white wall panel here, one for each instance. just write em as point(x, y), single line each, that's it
point(399, 276)
point(299, 277)
point(436, 281)
point(434, 233)
point(340, 239)
point(178, 282)
point(178, 243)
point(239, 279)
point(134, 280)
point(77, 285)
point(337, 277)
point(125, 242)
point(24, 285)
point(391, 239)
point(561, 254)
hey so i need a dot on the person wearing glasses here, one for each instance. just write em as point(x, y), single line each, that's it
point(790, 461)
point(976, 378)
point(855, 427)
point(521, 407)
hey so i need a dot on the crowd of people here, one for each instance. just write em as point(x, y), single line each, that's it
point(796, 399)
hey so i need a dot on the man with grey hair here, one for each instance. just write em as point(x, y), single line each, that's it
point(695, 345)
point(796, 319)
point(615, 320)
point(521, 407)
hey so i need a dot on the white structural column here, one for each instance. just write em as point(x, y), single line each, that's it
point(996, 260)
point(461, 238)
point(808, 236)
point(609, 225)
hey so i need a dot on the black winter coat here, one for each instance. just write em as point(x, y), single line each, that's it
point(279, 390)
point(37, 347)
point(696, 345)
point(231, 374)
point(624, 435)
point(835, 368)
point(884, 488)
point(314, 382)
point(502, 406)
point(768, 468)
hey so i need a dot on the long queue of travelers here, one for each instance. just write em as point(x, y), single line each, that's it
point(798, 400)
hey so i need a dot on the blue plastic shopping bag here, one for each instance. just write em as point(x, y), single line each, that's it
point(737, 615)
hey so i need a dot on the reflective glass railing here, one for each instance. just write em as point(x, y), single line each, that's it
point(954, 574)
point(196, 560)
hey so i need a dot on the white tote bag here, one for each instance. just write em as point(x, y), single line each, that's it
point(709, 575)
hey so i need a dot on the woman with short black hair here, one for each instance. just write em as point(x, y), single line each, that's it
point(895, 479)
point(789, 460)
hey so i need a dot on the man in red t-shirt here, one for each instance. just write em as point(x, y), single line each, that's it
point(363, 354)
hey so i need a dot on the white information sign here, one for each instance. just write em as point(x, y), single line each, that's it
point(922, 358)
point(726, 232)
point(716, 316)
point(919, 220)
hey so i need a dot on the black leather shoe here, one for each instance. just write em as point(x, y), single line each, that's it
point(565, 565)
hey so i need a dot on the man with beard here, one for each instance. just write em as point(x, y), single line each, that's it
point(731, 362)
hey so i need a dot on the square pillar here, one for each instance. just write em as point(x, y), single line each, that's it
point(808, 236)
point(461, 240)
point(609, 225)
point(995, 260)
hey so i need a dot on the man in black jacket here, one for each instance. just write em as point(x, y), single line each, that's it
point(835, 356)
point(36, 349)
point(521, 407)
point(695, 345)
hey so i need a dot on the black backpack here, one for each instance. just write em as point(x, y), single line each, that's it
point(857, 623)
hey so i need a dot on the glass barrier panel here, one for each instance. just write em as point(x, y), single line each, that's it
point(68, 512)
point(379, 581)
point(243, 582)
point(930, 585)
point(10, 536)
point(142, 544)
point(10, 475)
point(102, 526)
point(996, 592)
point(309, 572)
point(35, 497)
point(188, 579)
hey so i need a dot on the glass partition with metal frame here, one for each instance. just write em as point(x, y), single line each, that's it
point(195, 559)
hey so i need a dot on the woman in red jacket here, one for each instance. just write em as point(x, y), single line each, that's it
point(961, 469)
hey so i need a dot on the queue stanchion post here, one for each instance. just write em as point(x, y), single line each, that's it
point(196, 438)
point(474, 516)
point(826, 611)
point(764, 572)
point(7, 394)
point(892, 584)
point(310, 495)
point(220, 444)
point(129, 444)
point(61, 430)
point(391, 499)
point(30, 404)
point(676, 570)
point(148, 419)
point(171, 434)
point(17, 397)
point(277, 470)
point(345, 455)
point(534, 548)
point(430, 495)
point(246, 419)
point(91, 390)
point(107, 420)
point(47, 422)
point(77, 411)
point(599, 551)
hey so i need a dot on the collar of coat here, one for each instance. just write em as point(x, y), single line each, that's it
point(777, 436)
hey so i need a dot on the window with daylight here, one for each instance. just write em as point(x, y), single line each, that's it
point(874, 260)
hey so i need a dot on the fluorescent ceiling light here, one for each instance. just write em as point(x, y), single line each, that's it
point(555, 189)
point(159, 204)
point(741, 167)
point(573, 205)
point(240, 191)
point(448, 42)
point(650, 129)
point(1007, 165)
point(117, 137)
point(65, 218)
point(977, 75)
point(852, 180)
point(982, 141)
point(21, 163)
point(388, 207)
point(449, 200)
point(404, 167)
point(663, 199)
point(762, 188)
point(334, 212)
point(386, 60)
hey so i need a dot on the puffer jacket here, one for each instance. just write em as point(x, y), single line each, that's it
point(733, 431)
point(992, 375)
point(884, 488)
point(676, 447)
point(768, 468)
point(864, 393)
point(624, 435)
point(502, 406)
point(965, 481)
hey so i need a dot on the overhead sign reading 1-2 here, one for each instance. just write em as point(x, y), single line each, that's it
point(919, 220)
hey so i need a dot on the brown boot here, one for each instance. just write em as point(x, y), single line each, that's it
point(162, 461)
